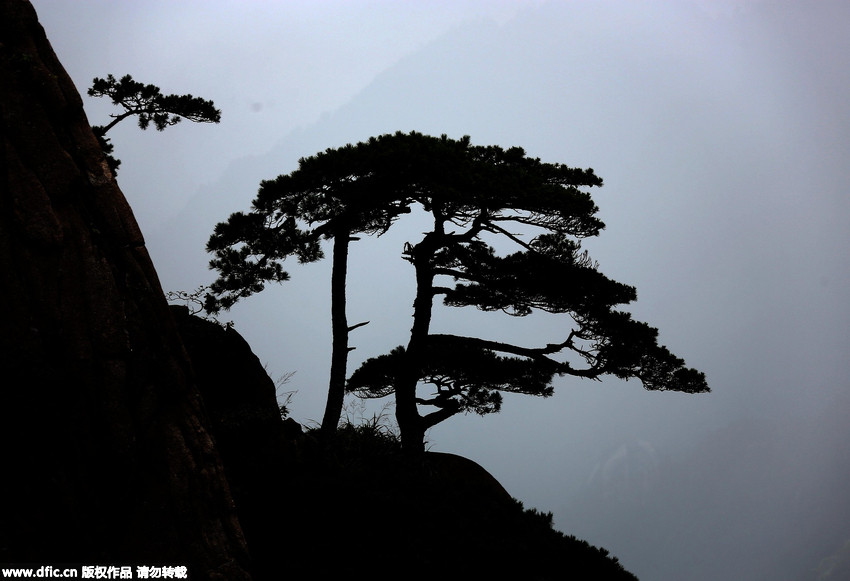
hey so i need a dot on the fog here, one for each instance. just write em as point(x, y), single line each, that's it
point(722, 131)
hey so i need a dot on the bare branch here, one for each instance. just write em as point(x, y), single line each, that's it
point(539, 354)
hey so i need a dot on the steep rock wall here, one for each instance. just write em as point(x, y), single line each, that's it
point(105, 450)
point(239, 397)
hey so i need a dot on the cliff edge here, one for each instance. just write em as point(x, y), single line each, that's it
point(102, 430)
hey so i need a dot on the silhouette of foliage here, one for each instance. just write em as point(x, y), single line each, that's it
point(473, 194)
point(336, 195)
point(149, 104)
point(466, 379)
point(478, 191)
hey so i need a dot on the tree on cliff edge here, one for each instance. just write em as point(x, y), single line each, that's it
point(332, 195)
point(476, 197)
point(149, 104)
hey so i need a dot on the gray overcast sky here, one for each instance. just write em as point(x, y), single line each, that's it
point(722, 130)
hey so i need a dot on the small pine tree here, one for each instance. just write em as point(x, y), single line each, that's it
point(150, 105)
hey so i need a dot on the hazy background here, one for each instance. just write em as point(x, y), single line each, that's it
point(722, 131)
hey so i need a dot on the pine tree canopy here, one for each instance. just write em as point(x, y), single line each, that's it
point(466, 377)
point(476, 196)
point(150, 105)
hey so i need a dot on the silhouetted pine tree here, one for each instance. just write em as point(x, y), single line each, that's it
point(149, 104)
point(471, 192)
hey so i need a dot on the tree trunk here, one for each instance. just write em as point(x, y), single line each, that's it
point(339, 326)
point(410, 423)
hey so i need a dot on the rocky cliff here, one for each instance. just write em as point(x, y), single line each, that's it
point(106, 452)
point(258, 450)
point(131, 433)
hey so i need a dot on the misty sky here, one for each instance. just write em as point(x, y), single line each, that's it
point(722, 131)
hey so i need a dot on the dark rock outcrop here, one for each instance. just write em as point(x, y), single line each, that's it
point(258, 452)
point(105, 447)
point(357, 503)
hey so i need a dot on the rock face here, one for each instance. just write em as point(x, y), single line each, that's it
point(106, 452)
point(255, 444)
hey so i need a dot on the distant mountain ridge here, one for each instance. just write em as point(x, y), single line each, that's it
point(689, 489)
